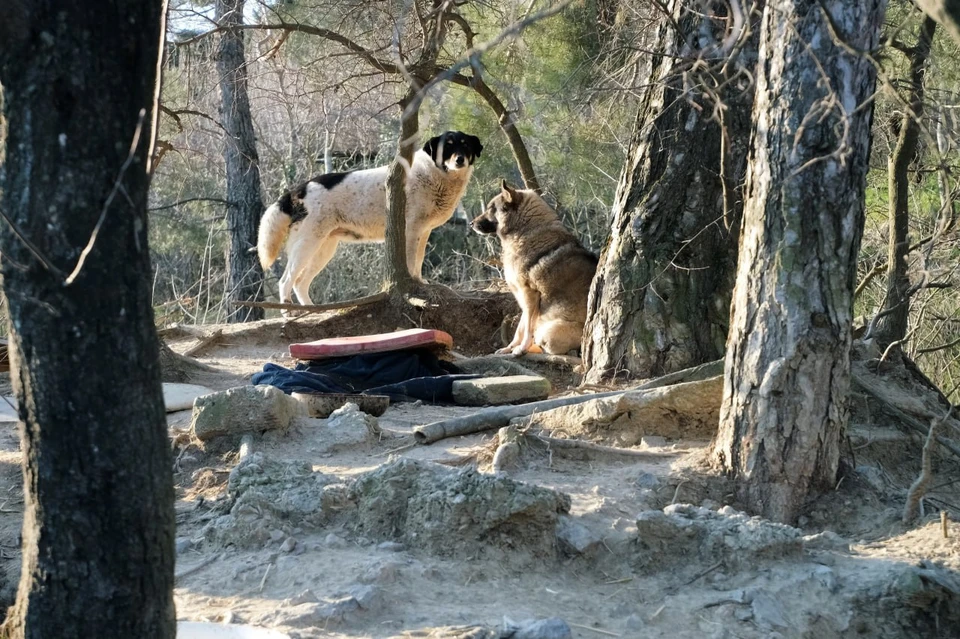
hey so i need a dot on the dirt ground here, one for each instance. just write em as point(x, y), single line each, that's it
point(624, 567)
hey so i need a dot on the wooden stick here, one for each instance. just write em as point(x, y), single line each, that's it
point(579, 444)
point(498, 416)
point(315, 308)
point(206, 341)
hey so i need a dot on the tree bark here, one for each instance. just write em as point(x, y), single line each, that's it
point(243, 168)
point(895, 312)
point(81, 88)
point(787, 371)
point(661, 297)
point(398, 279)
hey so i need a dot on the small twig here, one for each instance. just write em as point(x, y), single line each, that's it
point(704, 573)
point(596, 630)
point(943, 524)
point(264, 580)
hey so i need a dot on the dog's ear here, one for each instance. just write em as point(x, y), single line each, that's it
point(475, 146)
point(430, 148)
point(509, 194)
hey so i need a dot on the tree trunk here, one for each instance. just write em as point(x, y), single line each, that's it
point(787, 371)
point(892, 324)
point(398, 278)
point(98, 531)
point(243, 168)
point(661, 297)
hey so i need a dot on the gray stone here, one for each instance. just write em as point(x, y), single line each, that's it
point(743, 614)
point(391, 546)
point(575, 538)
point(500, 390)
point(827, 578)
point(647, 480)
point(368, 597)
point(244, 409)
point(682, 531)
point(634, 622)
point(552, 628)
point(317, 614)
point(289, 545)
point(334, 541)
point(347, 426)
point(381, 572)
point(652, 441)
point(307, 596)
point(450, 511)
point(827, 540)
point(768, 613)
point(183, 544)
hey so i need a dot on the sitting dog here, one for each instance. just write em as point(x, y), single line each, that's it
point(352, 207)
point(546, 268)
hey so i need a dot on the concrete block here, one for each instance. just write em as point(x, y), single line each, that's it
point(500, 390)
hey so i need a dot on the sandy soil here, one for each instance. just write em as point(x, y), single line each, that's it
point(828, 588)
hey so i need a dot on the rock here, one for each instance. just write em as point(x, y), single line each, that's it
point(634, 622)
point(682, 531)
point(307, 596)
point(827, 578)
point(552, 628)
point(487, 391)
point(647, 480)
point(368, 597)
point(653, 441)
point(391, 546)
point(244, 409)
point(334, 541)
point(575, 538)
point(348, 426)
point(768, 613)
point(316, 614)
point(183, 544)
point(289, 545)
point(827, 540)
point(508, 452)
point(270, 498)
point(456, 511)
point(381, 572)
point(743, 614)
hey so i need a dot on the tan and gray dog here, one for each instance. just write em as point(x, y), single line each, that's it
point(546, 268)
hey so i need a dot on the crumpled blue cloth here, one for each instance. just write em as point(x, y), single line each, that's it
point(404, 376)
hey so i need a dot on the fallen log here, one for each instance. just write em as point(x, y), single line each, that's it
point(499, 416)
point(203, 343)
point(579, 444)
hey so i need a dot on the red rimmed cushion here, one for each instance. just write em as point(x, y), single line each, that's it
point(380, 343)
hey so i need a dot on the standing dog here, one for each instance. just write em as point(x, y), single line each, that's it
point(546, 268)
point(351, 207)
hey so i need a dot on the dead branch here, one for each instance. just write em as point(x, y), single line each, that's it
point(316, 308)
point(919, 487)
point(499, 416)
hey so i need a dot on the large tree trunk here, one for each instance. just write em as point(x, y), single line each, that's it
point(892, 324)
point(660, 301)
point(243, 168)
point(98, 530)
point(787, 363)
point(397, 276)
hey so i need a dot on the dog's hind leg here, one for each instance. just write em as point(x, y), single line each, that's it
point(310, 267)
point(559, 337)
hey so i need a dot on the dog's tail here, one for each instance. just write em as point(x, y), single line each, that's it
point(274, 226)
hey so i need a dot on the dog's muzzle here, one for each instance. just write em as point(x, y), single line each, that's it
point(484, 226)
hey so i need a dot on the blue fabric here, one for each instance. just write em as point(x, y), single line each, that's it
point(401, 375)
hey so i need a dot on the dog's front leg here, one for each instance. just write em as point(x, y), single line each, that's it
point(416, 250)
point(530, 302)
point(518, 335)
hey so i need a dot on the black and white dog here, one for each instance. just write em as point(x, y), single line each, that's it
point(351, 207)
